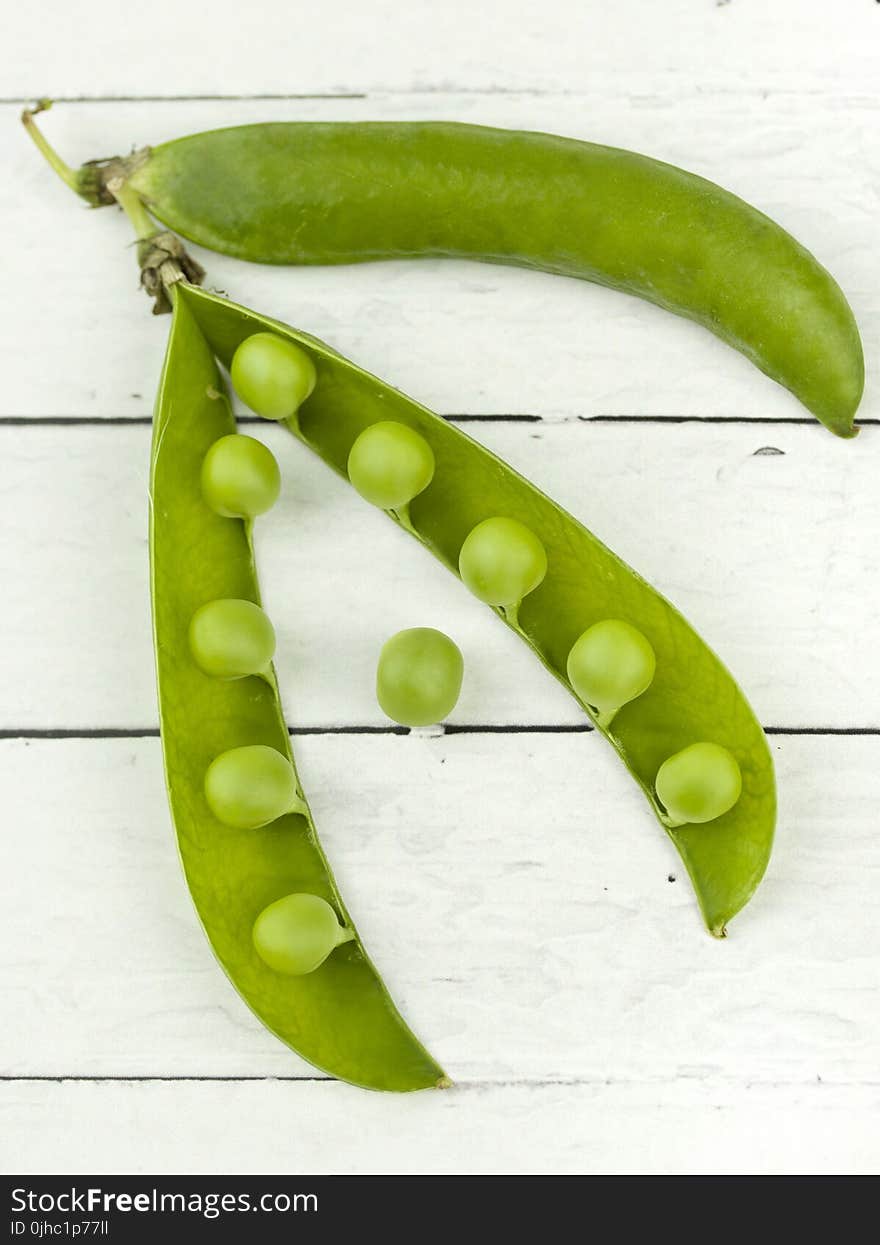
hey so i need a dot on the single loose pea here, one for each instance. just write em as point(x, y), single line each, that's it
point(240, 477)
point(419, 675)
point(390, 464)
point(294, 935)
point(230, 639)
point(251, 786)
point(273, 376)
point(501, 561)
point(610, 664)
point(699, 783)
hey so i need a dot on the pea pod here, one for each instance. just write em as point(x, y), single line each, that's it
point(338, 1016)
point(334, 193)
point(687, 696)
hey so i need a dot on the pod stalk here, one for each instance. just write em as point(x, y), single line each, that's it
point(67, 174)
point(161, 255)
point(133, 206)
point(90, 180)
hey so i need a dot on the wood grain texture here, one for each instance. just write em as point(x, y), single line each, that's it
point(496, 1129)
point(513, 890)
point(768, 554)
point(683, 45)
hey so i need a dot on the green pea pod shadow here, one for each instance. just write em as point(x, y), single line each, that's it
point(339, 1017)
point(693, 696)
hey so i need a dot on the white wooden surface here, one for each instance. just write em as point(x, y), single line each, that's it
point(512, 886)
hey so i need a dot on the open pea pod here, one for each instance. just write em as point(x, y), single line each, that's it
point(692, 697)
point(340, 1016)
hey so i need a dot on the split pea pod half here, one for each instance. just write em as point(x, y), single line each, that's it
point(665, 702)
point(256, 871)
point(345, 192)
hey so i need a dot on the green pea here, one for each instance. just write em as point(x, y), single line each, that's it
point(251, 786)
point(230, 639)
point(294, 935)
point(419, 675)
point(273, 376)
point(501, 561)
point(240, 477)
point(610, 664)
point(390, 464)
point(699, 783)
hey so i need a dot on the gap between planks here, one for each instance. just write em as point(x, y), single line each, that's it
point(515, 728)
point(461, 1083)
point(111, 421)
point(762, 92)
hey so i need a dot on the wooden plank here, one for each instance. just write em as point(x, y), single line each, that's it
point(525, 909)
point(769, 554)
point(462, 337)
point(213, 1129)
point(683, 45)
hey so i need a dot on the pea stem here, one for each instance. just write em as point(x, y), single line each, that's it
point(669, 822)
point(510, 614)
point(68, 175)
point(133, 206)
point(268, 677)
point(402, 516)
point(248, 525)
point(604, 720)
point(162, 258)
point(299, 806)
point(344, 934)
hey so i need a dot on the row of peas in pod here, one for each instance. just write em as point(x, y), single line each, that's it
point(248, 787)
point(420, 670)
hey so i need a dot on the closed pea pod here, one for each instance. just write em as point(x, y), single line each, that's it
point(332, 193)
point(570, 582)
